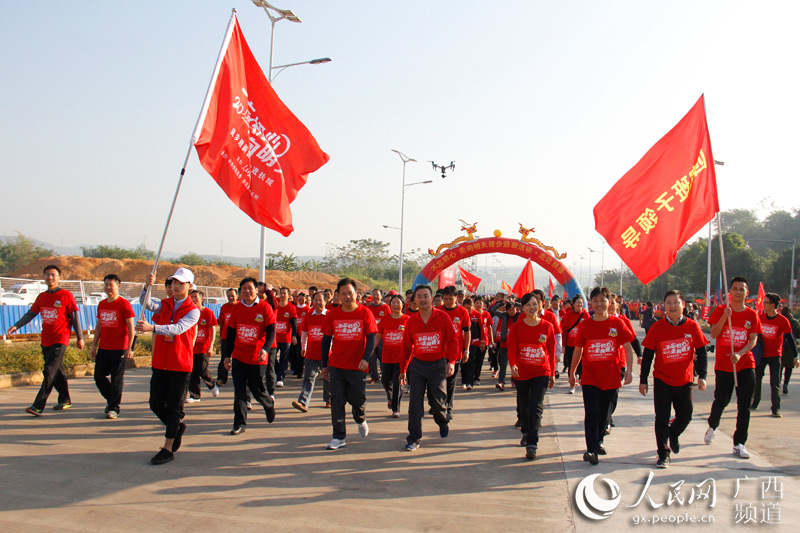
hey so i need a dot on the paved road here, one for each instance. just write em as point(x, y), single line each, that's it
point(78, 471)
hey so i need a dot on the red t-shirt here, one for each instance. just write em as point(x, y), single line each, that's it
point(202, 344)
point(349, 332)
point(112, 318)
point(224, 314)
point(302, 312)
point(744, 324)
point(250, 324)
point(312, 325)
point(629, 326)
point(55, 308)
point(600, 341)
point(432, 341)
point(461, 322)
point(570, 322)
point(550, 317)
point(772, 332)
point(283, 327)
point(674, 347)
point(379, 312)
point(532, 349)
point(391, 330)
point(482, 321)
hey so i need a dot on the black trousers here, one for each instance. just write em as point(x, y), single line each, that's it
point(477, 363)
point(222, 372)
point(296, 360)
point(427, 376)
point(722, 396)
point(167, 394)
point(110, 363)
point(530, 405)
point(774, 364)
point(493, 357)
point(54, 374)
point(597, 411)
point(200, 371)
point(665, 397)
point(283, 360)
point(502, 364)
point(468, 368)
point(347, 386)
point(246, 377)
point(390, 377)
point(451, 387)
point(271, 377)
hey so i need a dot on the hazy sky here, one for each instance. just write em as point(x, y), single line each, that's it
point(543, 105)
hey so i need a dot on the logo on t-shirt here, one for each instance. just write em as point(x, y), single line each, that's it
point(347, 330)
point(542, 338)
point(612, 332)
point(769, 331)
point(281, 327)
point(393, 338)
point(204, 322)
point(600, 350)
point(259, 318)
point(530, 354)
point(675, 351)
point(382, 313)
point(315, 333)
point(57, 303)
point(747, 324)
point(286, 314)
point(247, 334)
point(740, 338)
point(109, 319)
point(201, 335)
point(49, 315)
point(427, 342)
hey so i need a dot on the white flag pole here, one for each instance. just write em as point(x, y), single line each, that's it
point(195, 134)
point(727, 297)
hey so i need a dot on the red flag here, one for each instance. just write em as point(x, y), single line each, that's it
point(471, 281)
point(551, 288)
point(760, 298)
point(506, 287)
point(256, 150)
point(666, 198)
point(447, 277)
point(525, 283)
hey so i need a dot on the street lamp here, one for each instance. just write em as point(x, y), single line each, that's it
point(276, 15)
point(590, 265)
point(580, 276)
point(405, 159)
point(793, 242)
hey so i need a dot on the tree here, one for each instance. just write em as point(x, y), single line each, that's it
point(191, 259)
point(20, 251)
point(115, 252)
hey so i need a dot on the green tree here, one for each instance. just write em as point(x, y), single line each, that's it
point(191, 259)
point(20, 251)
point(115, 252)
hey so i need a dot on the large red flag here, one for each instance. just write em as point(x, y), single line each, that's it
point(258, 152)
point(506, 287)
point(447, 277)
point(471, 281)
point(525, 283)
point(666, 198)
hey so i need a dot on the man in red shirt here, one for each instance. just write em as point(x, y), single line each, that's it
point(431, 339)
point(173, 343)
point(461, 326)
point(224, 313)
point(379, 310)
point(734, 354)
point(203, 350)
point(296, 361)
point(113, 335)
point(285, 332)
point(59, 314)
point(351, 328)
point(774, 328)
point(251, 332)
point(311, 346)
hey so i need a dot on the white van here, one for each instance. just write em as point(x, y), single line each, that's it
point(28, 291)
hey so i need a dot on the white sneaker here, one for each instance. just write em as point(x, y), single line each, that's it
point(572, 390)
point(335, 444)
point(215, 392)
point(279, 384)
point(709, 437)
point(363, 429)
point(112, 414)
point(192, 400)
point(465, 387)
point(740, 451)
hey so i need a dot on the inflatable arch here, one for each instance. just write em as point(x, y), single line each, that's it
point(500, 245)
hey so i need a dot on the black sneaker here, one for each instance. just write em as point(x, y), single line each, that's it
point(674, 445)
point(753, 407)
point(524, 441)
point(785, 388)
point(176, 444)
point(663, 462)
point(530, 453)
point(602, 451)
point(517, 424)
point(270, 413)
point(776, 413)
point(237, 431)
point(163, 456)
point(444, 431)
point(62, 406)
point(591, 458)
point(32, 410)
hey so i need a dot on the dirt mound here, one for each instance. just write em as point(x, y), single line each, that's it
point(94, 269)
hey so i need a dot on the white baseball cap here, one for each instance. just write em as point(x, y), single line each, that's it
point(184, 275)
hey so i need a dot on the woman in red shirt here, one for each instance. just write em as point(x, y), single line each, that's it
point(597, 344)
point(569, 325)
point(390, 330)
point(532, 356)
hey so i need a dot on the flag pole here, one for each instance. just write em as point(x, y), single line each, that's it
point(195, 134)
point(727, 296)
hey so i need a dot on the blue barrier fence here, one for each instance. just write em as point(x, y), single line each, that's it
point(9, 314)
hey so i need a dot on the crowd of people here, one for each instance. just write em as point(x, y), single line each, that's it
point(419, 344)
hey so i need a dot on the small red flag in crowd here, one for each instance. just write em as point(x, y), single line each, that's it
point(447, 276)
point(666, 198)
point(525, 283)
point(760, 299)
point(506, 287)
point(550, 287)
point(471, 281)
point(256, 150)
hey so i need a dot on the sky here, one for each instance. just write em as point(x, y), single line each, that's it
point(542, 105)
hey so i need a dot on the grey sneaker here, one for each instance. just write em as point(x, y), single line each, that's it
point(335, 444)
point(709, 436)
point(363, 429)
point(740, 451)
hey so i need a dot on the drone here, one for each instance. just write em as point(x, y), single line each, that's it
point(443, 168)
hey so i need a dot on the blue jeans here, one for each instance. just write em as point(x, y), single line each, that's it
point(310, 371)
